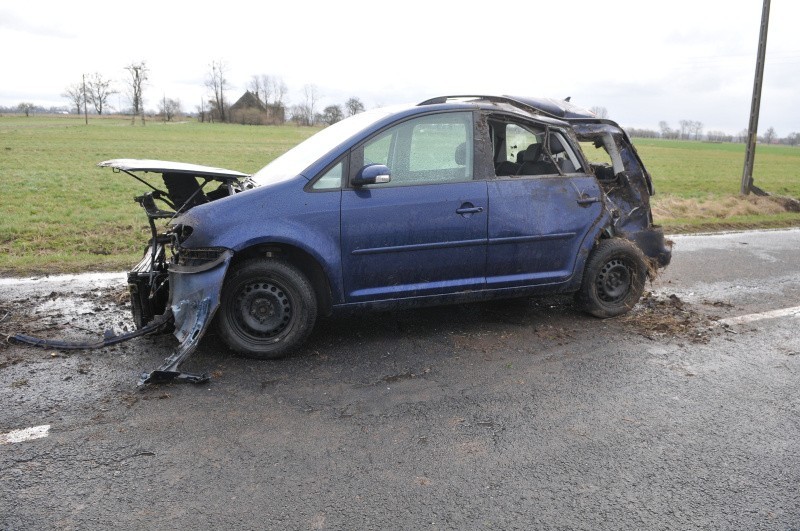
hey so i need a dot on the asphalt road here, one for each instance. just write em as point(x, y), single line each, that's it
point(510, 415)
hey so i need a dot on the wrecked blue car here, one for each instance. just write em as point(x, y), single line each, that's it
point(456, 199)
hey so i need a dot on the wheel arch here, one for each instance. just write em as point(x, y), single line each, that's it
point(603, 229)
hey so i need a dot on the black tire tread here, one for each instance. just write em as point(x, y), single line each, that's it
point(304, 308)
point(605, 251)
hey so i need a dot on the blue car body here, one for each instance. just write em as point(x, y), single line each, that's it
point(455, 199)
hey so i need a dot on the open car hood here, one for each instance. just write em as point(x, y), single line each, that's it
point(165, 166)
point(185, 185)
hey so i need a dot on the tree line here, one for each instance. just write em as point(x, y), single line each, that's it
point(96, 89)
point(271, 94)
point(93, 94)
point(693, 130)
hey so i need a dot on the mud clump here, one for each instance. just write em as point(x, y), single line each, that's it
point(659, 317)
point(55, 314)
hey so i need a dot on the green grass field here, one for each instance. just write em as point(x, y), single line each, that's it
point(62, 213)
point(701, 169)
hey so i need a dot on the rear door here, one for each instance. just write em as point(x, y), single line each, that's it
point(424, 232)
point(541, 215)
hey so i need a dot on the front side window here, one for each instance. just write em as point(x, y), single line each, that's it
point(331, 179)
point(430, 149)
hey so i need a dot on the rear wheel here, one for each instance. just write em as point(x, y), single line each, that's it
point(267, 308)
point(614, 277)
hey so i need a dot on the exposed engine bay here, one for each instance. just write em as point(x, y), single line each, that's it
point(155, 307)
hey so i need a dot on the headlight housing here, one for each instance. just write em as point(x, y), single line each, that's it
point(202, 256)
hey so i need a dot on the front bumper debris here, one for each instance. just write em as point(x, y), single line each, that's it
point(194, 298)
point(155, 326)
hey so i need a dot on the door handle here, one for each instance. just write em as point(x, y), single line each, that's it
point(585, 201)
point(469, 210)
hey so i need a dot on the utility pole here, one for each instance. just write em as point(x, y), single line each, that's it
point(85, 112)
point(752, 129)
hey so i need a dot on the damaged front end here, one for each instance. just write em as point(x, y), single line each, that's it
point(171, 283)
point(194, 293)
point(172, 289)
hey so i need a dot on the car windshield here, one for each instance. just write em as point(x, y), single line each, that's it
point(300, 157)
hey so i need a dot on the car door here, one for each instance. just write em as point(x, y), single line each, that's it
point(540, 216)
point(425, 231)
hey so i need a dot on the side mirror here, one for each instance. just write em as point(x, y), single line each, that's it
point(372, 174)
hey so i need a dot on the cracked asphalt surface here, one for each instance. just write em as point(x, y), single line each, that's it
point(518, 414)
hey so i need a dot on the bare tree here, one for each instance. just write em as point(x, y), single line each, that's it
point(793, 139)
point(599, 112)
point(26, 108)
point(697, 129)
point(262, 86)
point(666, 130)
point(310, 99)
point(769, 136)
point(169, 108)
point(641, 133)
point(686, 128)
point(257, 87)
point(201, 110)
point(741, 137)
point(353, 106)
point(218, 84)
point(99, 90)
point(279, 90)
point(302, 115)
point(138, 79)
point(268, 87)
point(719, 136)
point(74, 93)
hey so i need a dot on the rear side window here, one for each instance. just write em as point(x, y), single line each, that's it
point(528, 149)
point(596, 153)
point(518, 139)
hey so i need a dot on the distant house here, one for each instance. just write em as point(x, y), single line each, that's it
point(249, 110)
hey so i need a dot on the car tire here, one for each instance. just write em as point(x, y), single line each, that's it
point(613, 279)
point(267, 308)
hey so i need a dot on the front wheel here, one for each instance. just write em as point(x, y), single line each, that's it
point(613, 280)
point(267, 308)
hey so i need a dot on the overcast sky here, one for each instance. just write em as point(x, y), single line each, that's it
point(644, 61)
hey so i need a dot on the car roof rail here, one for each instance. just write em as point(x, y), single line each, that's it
point(553, 108)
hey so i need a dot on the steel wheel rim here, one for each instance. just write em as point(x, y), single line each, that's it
point(263, 310)
point(614, 281)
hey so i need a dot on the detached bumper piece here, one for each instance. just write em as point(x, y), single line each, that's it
point(194, 297)
point(107, 341)
point(165, 373)
point(168, 371)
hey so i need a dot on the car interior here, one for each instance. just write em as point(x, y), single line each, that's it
point(511, 160)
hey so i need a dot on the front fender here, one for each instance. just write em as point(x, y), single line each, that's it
point(194, 299)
